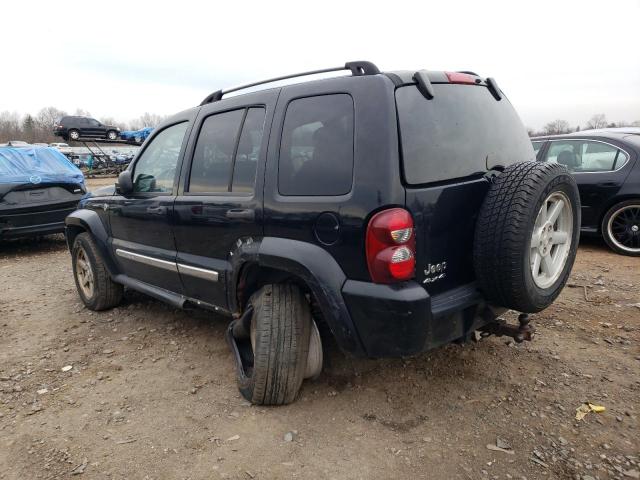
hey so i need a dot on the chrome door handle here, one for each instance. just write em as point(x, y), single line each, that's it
point(157, 210)
point(241, 213)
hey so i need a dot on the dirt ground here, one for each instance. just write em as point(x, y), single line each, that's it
point(145, 391)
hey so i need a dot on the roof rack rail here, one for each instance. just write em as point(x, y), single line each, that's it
point(358, 68)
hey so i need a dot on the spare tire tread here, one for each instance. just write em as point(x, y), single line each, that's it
point(503, 232)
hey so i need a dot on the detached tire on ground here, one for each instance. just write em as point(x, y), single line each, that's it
point(93, 282)
point(280, 329)
point(527, 235)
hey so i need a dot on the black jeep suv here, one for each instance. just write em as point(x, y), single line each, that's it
point(399, 211)
point(76, 127)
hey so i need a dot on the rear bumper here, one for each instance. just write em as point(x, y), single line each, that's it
point(400, 320)
point(24, 224)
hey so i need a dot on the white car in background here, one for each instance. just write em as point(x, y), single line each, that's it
point(64, 148)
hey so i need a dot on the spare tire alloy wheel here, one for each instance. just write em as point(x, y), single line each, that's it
point(622, 228)
point(550, 241)
point(527, 236)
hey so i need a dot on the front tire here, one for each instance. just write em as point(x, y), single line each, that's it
point(93, 282)
point(621, 228)
point(74, 134)
point(112, 135)
point(279, 332)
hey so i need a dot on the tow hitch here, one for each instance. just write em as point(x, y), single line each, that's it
point(524, 331)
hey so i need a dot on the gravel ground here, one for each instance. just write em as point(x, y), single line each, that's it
point(145, 391)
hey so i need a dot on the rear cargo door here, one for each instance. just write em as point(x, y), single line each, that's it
point(448, 144)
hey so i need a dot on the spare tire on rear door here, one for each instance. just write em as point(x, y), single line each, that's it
point(527, 235)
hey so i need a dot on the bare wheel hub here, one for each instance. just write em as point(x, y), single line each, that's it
point(84, 273)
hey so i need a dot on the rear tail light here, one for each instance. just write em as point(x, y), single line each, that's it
point(458, 77)
point(391, 246)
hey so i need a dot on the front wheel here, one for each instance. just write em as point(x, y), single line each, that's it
point(111, 135)
point(621, 228)
point(74, 134)
point(93, 282)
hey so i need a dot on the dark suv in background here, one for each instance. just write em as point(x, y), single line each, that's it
point(76, 127)
point(399, 211)
point(605, 166)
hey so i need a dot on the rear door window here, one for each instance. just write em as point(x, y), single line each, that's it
point(316, 150)
point(226, 158)
point(248, 154)
point(460, 132)
point(213, 156)
point(586, 156)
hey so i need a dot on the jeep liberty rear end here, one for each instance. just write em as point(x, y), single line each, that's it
point(399, 210)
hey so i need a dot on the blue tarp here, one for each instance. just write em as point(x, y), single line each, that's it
point(37, 165)
point(133, 134)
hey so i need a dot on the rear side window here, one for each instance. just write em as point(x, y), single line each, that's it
point(316, 151)
point(586, 156)
point(462, 131)
point(225, 159)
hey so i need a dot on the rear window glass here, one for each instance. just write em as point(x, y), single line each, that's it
point(462, 131)
point(316, 152)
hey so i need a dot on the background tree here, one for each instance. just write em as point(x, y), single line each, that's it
point(146, 120)
point(10, 126)
point(29, 129)
point(556, 127)
point(597, 121)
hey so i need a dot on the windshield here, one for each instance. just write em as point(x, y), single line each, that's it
point(462, 131)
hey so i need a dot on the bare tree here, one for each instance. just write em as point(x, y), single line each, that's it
point(10, 126)
point(597, 121)
point(82, 113)
point(113, 121)
point(147, 120)
point(45, 120)
point(556, 127)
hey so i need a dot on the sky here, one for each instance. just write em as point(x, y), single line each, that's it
point(562, 59)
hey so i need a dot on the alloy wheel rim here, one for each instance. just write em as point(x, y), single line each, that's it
point(551, 240)
point(624, 228)
point(74, 135)
point(84, 273)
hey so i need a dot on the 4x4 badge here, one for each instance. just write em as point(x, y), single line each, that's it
point(434, 272)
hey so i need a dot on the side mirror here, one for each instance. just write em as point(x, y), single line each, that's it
point(125, 183)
